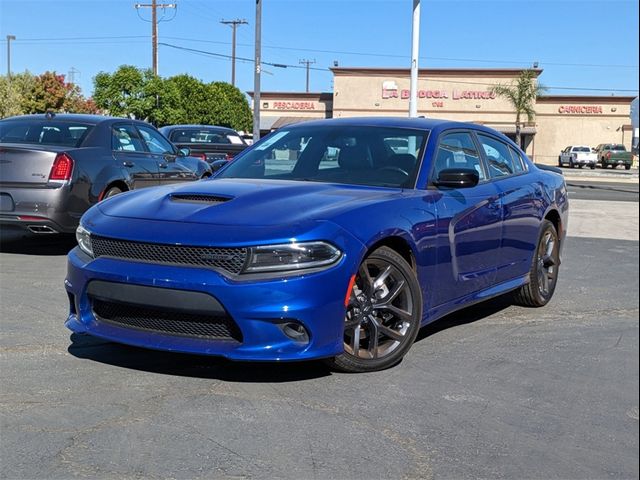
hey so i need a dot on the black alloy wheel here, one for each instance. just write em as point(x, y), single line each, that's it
point(383, 314)
point(543, 275)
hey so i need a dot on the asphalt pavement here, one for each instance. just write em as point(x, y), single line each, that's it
point(494, 391)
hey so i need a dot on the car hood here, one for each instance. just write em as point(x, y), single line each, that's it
point(241, 202)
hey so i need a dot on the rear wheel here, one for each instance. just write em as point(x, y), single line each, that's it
point(113, 191)
point(543, 274)
point(627, 167)
point(592, 166)
point(383, 314)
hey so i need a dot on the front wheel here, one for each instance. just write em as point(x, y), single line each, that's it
point(383, 314)
point(627, 167)
point(543, 274)
point(592, 166)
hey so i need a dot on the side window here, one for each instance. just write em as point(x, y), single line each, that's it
point(498, 157)
point(518, 162)
point(125, 138)
point(155, 142)
point(457, 150)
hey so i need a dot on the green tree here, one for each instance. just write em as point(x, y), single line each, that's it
point(129, 91)
point(229, 106)
point(13, 93)
point(522, 96)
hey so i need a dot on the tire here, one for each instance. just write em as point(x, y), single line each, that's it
point(112, 192)
point(386, 299)
point(560, 161)
point(580, 166)
point(592, 166)
point(627, 167)
point(570, 163)
point(543, 275)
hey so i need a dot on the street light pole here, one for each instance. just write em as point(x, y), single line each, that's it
point(415, 46)
point(256, 73)
point(9, 38)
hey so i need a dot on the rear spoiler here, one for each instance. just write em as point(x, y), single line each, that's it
point(549, 168)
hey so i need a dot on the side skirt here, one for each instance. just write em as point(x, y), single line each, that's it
point(440, 311)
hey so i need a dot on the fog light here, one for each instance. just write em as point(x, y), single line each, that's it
point(295, 331)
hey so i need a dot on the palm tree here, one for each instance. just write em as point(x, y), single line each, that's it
point(522, 96)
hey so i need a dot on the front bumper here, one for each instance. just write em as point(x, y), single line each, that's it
point(259, 308)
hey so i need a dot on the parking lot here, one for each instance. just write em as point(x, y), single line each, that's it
point(494, 391)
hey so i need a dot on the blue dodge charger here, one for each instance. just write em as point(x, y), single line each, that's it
point(336, 239)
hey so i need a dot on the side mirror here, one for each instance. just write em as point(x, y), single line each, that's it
point(457, 178)
point(184, 152)
point(218, 164)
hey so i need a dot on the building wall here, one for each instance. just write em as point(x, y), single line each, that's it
point(463, 95)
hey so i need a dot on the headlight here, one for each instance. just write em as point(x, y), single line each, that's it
point(291, 256)
point(83, 236)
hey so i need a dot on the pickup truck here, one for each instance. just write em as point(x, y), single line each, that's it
point(577, 156)
point(613, 154)
point(216, 145)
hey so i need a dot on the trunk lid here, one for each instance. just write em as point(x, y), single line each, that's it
point(26, 164)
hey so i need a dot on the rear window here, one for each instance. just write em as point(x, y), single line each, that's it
point(206, 136)
point(45, 132)
point(582, 149)
point(618, 147)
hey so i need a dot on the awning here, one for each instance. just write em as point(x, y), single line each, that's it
point(273, 123)
point(511, 129)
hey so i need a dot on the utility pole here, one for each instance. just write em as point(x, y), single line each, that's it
point(72, 74)
point(234, 25)
point(154, 5)
point(256, 73)
point(308, 63)
point(9, 38)
point(415, 46)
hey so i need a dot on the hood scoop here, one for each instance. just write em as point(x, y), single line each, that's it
point(199, 198)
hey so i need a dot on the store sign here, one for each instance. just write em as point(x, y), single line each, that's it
point(580, 109)
point(390, 90)
point(294, 105)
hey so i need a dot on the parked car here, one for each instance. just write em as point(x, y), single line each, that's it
point(54, 167)
point(210, 143)
point(613, 154)
point(577, 156)
point(281, 260)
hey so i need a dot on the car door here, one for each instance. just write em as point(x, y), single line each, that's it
point(165, 154)
point(520, 222)
point(565, 155)
point(469, 222)
point(130, 152)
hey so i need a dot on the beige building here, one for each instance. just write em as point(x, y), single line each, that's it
point(461, 95)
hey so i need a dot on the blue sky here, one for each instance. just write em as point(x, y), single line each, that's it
point(579, 44)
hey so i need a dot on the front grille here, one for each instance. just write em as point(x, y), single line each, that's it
point(167, 321)
point(228, 259)
point(198, 198)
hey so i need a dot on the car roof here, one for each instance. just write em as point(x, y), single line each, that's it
point(67, 117)
point(172, 127)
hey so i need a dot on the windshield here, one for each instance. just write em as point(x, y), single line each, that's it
point(205, 135)
point(44, 132)
point(581, 149)
point(376, 156)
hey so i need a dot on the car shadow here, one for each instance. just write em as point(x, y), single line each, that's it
point(197, 366)
point(217, 368)
point(467, 315)
point(42, 246)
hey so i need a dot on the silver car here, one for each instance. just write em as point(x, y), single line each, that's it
point(54, 167)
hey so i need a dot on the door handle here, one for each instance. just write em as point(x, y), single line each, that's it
point(128, 164)
point(163, 165)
